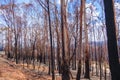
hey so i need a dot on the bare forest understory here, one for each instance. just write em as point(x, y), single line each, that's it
point(9, 70)
point(59, 39)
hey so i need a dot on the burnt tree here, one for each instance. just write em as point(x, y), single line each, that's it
point(112, 41)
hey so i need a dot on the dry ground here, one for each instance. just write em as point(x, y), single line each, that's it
point(10, 71)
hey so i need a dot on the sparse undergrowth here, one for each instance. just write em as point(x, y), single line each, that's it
point(11, 71)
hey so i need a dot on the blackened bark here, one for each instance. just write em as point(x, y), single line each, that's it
point(74, 57)
point(44, 60)
point(49, 71)
point(87, 72)
point(16, 55)
point(33, 53)
point(105, 72)
point(78, 76)
point(79, 71)
point(65, 70)
point(112, 41)
point(65, 62)
point(52, 56)
point(8, 54)
point(58, 55)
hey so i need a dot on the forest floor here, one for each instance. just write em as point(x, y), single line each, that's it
point(11, 71)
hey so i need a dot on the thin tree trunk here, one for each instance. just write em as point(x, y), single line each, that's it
point(52, 60)
point(87, 72)
point(78, 76)
point(16, 55)
point(58, 40)
point(95, 53)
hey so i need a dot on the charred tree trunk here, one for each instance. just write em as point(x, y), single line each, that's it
point(33, 54)
point(65, 64)
point(79, 63)
point(52, 55)
point(87, 71)
point(74, 57)
point(79, 70)
point(16, 55)
point(8, 53)
point(112, 41)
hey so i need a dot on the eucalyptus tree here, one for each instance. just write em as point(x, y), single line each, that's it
point(81, 27)
point(58, 37)
point(87, 72)
point(50, 32)
point(65, 60)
